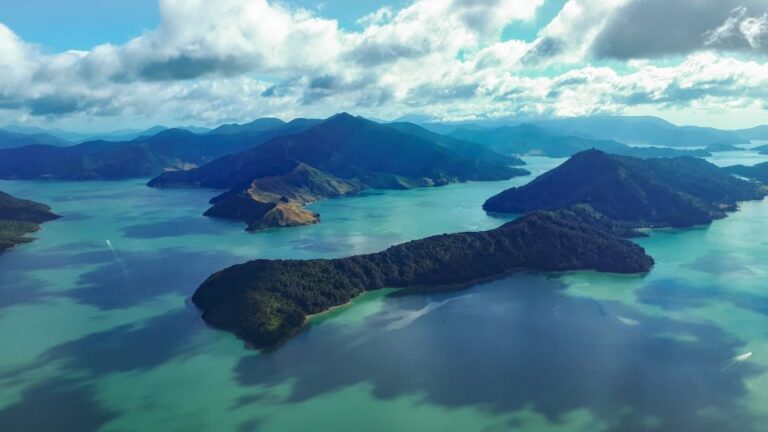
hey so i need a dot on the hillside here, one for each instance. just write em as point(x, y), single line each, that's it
point(19, 217)
point(757, 172)
point(347, 150)
point(678, 192)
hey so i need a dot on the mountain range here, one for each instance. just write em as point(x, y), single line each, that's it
point(632, 130)
point(270, 183)
point(145, 156)
point(533, 140)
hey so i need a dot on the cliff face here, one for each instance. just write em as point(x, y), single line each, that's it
point(265, 302)
point(19, 217)
point(677, 192)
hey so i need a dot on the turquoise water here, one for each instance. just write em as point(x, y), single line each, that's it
point(97, 332)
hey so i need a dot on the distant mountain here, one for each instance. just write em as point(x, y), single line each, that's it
point(265, 129)
point(462, 147)
point(755, 133)
point(266, 302)
point(259, 125)
point(642, 130)
point(66, 138)
point(132, 134)
point(16, 139)
point(679, 192)
point(71, 137)
point(19, 217)
point(720, 147)
point(530, 139)
point(341, 155)
point(171, 149)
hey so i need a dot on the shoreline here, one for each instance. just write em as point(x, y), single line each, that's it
point(307, 318)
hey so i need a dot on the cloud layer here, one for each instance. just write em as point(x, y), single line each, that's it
point(228, 60)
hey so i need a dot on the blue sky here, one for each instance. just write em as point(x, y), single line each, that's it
point(101, 64)
point(60, 25)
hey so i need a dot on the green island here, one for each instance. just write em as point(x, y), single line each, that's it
point(265, 302)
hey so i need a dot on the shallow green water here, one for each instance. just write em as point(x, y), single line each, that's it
point(97, 333)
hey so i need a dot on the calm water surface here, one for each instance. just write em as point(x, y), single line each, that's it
point(97, 332)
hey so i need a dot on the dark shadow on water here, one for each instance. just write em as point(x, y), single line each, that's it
point(522, 343)
point(16, 289)
point(132, 347)
point(719, 264)
point(676, 294)
point(121, 278)
point(178, 227)
point(131, 278)
point(18, 283)
point(56, 405)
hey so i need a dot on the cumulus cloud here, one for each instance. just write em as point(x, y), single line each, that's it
point(231, 60)
point(570, 35)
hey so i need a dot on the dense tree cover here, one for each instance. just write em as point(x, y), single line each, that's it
point(19, 217)
point(677, 192)
point(266, 301)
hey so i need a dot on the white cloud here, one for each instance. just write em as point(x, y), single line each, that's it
point(376, 17)
point(740, 31)
point(570, 35)
point(233, 60)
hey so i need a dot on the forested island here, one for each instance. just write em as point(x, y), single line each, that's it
point(18, 218)
point(642, 193)
point(267, 301)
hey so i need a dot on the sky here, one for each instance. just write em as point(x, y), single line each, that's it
point(95, 65)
